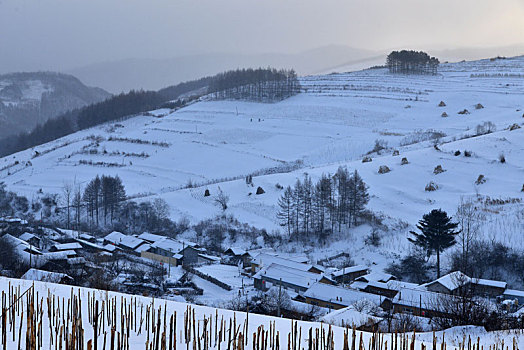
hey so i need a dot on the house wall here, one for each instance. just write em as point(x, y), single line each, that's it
point(285, 285)
point(489, 291)
point(324, 303)
point(160, 258)
point(438, 288)
point(350, 277)
point(190, 256)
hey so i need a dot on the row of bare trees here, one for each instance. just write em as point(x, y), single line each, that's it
point(334, 202)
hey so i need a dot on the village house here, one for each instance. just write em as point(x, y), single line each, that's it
point(31, 239)
point(389, 289)
point(419, 302)
point(456, 283)
point(288, 278)
point(74, 246)
point(349, 274)
point(127, 243)
point(335, 297)
point(47, 276)
point(264, 259)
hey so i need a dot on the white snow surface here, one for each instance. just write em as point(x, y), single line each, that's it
point(334, 122)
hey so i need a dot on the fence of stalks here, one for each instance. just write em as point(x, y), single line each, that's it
point(96, 320)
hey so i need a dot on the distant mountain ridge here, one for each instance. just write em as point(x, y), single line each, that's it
point(154, 74)
point(31, 98)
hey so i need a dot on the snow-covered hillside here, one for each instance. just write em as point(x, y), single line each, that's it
point(29, 99)
point(334, 122)
point(49, 315)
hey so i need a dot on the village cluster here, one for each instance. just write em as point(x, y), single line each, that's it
point(182, 270)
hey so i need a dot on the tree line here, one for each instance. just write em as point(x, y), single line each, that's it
point(256, 85)
point(332, 203)
point(411, 62)
point(261, 85)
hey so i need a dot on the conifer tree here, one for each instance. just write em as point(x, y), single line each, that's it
point(437, 233)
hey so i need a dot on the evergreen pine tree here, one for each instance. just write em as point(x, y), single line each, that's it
point(437, 233)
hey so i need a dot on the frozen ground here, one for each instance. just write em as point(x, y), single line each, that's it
point(334, 122)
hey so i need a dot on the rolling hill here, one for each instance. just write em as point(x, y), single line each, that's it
point(335, 121)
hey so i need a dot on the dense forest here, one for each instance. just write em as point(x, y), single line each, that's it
point(334, 202)
point(261, 85)
point(411, 62)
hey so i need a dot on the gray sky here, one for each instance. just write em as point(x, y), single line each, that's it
point(62, 34)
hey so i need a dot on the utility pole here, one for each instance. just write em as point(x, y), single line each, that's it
point(279, 298)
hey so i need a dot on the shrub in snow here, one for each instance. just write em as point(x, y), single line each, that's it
point(431, 186)
point(279, 186)
point(383, 169)
point(260, 190)
point(421, 136)
point(467, 153)
point(464, 111)
point(438, 169)
point(442, 104)
point(206, 193)
point(522, 190)
point(444, 115)
point(404, 161)
point(380, 145)
point(485, 128)
point(366, 159)
point(502, 158)
point(396, 152)
point(480, 180)
point(457, 153)
point(373, 238)
point(479, 106)
point(514, 127)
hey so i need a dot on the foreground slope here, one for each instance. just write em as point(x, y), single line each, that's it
point(49, 315)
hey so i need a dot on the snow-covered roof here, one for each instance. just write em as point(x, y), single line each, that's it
point(340, 295)
point(348, 316)
point(377, 277)
point(143, 248)
point(452, 280)
point(21, 245)
point(264, 259)
point(289, 275)
point(489, 283)
point(393, 285)
point(27, 236)
point(169, 245)
point(236, 251)
point(349, 269)
point(90, 244)
point(119, 238)
point(67, 246)
point(419, 298)
point(209, 257)
point(514, 293)
point(110, 248)
point(86, 236)
point(150, 237)
point(44, 276)
point(60, 255)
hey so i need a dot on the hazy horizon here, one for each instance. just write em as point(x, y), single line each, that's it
point(67, 34)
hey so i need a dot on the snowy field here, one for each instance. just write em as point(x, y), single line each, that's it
point(52, 316)
point(334, 122)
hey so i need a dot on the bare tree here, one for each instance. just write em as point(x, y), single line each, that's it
point(469, 219)
point(222, 199)
point(67, 198)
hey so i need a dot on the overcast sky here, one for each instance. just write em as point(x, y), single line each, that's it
point(62, 34)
